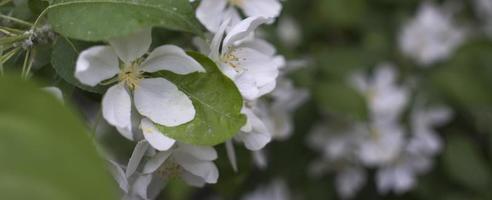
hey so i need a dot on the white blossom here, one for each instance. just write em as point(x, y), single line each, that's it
point(250, 62)
point(212, 13)
point(349, 181)
point(193, 164)
point(154, 98)
point(431, 36)
point(277, 190)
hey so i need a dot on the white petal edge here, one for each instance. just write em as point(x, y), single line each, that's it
point(242, 30)
point(155, 138)
point(264, 8)
point(171, 58)
point(199, 152)
point(156, 161)
point(163, 103)
point(136, 157)
point(96, 64)
point(116, 108)
point(204, 169)
point(211, 13)
point(133, 46)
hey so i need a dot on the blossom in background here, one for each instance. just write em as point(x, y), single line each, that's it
point(423, 144)
point(212, 13)
point(386, 101)
point(431, 36)
point(289, 32)
point(277, 190)
point(155, 98)
point(349, 180)
point(385, 98)
point(381, 142)
point(277, 113)
point(484, 10)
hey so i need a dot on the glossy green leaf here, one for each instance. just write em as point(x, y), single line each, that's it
point(63, 60)
point(95, 20)
point(217, 103)
point(45, 151)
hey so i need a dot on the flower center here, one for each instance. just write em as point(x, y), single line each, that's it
point(231, 59)
point(130, 75)
point(236, 2)
point(170, 169)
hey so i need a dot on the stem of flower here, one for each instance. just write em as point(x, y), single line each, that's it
point(5, 2)
point(19, 21)
point(24, 73)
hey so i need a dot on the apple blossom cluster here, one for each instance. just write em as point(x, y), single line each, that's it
point(398, 154)
point(137, 101)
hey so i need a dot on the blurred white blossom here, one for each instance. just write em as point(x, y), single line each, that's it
point(277, 190)
point(431, 36)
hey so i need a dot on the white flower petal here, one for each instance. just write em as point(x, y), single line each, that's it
point(204, 169)
point(171, 58)
point(156, 161)
point(264, 8)
point(217, 41)
point(260, 45)
point(133, 46)
point(96, 64)
point(260, 73)
point(260, 159)
point(162, 102)
point(136, 157)
point(116, 108)
point(119, 175)
point(242, 30)
point(126, 132)
point(157, 139)
point(199, 152)
point(141, 185)
point(56, 92)
point(231, 154)
point(254, 141)
point(211, 13)
point(192, 180)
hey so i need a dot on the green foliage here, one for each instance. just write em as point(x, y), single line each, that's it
point(466, 78)
point(45, 151)
point(217, 103)
point(95, 20)
point(465, 165)
point(341, 98)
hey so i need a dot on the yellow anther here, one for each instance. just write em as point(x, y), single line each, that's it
point(130, 76)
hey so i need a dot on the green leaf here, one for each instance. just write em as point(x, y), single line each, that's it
point(465, 79)
point(341, 99)
point(45, 151)
point(217, 103)
point(63, 60)
point(465, 165)
point(95, 20)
